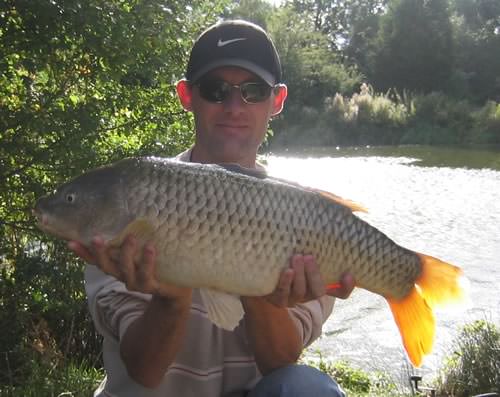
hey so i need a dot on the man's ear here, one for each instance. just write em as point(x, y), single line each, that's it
point(280, 94)
point(185, 94)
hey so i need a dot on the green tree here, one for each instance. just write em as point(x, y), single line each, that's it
point(414, 47)
point(312, 70)
point(337, 19)
point(362, 38)
point(256, 11)
point(477, 38)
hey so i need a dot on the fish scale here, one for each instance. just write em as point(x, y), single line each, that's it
point(235, 230)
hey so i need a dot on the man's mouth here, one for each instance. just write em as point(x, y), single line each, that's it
point(236, 128)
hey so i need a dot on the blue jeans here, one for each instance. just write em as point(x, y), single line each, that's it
point(297, 381)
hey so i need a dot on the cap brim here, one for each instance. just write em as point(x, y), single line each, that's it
point(250, 66)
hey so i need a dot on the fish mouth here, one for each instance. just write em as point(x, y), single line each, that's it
point(44, 224)
point(41, 219)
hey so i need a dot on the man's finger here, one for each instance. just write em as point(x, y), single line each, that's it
point(146, 272)
point(280, 295)
point(82, 252)
point(127, 263)
point(299, 282)
point(103, 261)
point(316, 286)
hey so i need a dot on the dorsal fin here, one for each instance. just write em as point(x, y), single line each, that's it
point(355, 207)
point(261, 174)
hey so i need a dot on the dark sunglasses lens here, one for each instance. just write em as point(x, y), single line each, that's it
point(214, 90)
point(255, 92)
point(218, 90)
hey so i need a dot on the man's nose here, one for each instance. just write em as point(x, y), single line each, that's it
point(234, 102)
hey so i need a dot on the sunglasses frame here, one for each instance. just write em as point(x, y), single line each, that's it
point(239, 87)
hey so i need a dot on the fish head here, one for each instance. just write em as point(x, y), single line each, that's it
point(93, 204)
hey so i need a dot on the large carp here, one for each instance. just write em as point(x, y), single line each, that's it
point(229, 230)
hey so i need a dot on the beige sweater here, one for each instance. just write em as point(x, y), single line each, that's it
point(213, 362)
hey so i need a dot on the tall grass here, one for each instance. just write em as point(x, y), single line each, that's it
point(370, 107)
point(474, 365)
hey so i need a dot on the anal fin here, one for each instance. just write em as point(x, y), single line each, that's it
point(224, 310)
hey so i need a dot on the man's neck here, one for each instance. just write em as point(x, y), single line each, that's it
point(198, 155)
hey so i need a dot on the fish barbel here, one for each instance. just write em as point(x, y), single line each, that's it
point(229, 230)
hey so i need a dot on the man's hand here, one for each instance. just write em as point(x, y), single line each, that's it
point(302, 282)
point(122, 263)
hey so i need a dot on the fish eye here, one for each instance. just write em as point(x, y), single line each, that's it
point(70, 198)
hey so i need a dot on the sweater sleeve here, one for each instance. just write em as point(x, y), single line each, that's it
point(309, 317)
point(112, 307)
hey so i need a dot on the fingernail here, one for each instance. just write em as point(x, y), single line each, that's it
point(149, 249)
point(97, 241)
point(334, 286)
point(309, 260)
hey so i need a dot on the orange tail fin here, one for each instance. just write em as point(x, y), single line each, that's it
point(439, 283)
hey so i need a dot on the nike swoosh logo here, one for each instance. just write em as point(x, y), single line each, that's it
point(221, 43)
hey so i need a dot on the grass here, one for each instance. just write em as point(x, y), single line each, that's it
point(355, 381)
point(472, 367)
point(70, 379)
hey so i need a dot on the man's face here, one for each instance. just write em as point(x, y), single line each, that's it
point(233, 130)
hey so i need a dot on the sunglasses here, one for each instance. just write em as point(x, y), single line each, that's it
point(217, 91)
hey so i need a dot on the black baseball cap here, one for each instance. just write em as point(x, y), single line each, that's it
point(235, 43)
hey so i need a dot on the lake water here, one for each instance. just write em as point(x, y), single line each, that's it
point(443, 202)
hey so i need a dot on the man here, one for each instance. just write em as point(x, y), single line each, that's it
point(158, 340)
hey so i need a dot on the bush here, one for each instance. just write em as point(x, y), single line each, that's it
point(487, 120)
point(428, 134)
point(370, 118)
point(44, 315)
point(474, 366)
point(442, 113)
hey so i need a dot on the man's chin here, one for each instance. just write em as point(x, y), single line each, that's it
point(232, 131)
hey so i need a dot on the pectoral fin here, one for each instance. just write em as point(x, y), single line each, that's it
point(141, 228)
point(224, 310)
